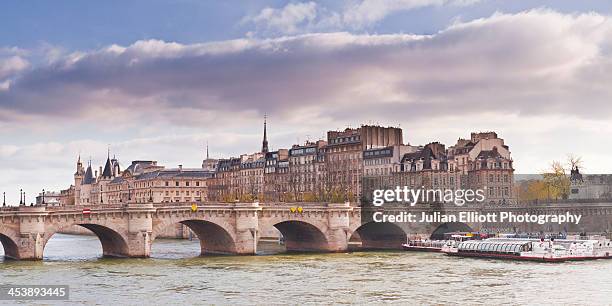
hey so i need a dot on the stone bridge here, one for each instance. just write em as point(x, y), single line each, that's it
point(129, 230)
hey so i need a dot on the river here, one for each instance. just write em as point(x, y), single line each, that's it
point(176, 274)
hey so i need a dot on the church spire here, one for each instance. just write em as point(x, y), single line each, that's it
point(264, 144)
point(108, 171)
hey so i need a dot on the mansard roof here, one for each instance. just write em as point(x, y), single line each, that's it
point(117, 180)
point(485, 154)
point(175, 173)
point(138, 166)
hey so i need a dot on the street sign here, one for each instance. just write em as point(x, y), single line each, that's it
point(194, 207)
point(86, 211)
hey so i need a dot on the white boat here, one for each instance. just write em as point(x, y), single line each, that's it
point(550, 250)
point(435, 245)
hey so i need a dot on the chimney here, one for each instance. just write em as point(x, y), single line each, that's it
point(180, 167)
point(96, 173)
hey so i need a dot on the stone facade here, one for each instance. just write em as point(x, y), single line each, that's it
point(483, 162)
point(338, 169)
point(590, 186)
point(141, 182)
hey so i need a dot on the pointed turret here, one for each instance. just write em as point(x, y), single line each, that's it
point(108, 168)
point(79, 166)
point(88, 179)
point(264, 144)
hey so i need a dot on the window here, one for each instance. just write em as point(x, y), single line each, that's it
point(197, 184)
point(187, 184)
point(176, 183)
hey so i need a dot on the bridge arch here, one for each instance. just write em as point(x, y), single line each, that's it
point(302, 236)
point(449, 227)
point(378, 235)
point(8, 239)
point(216, 237)
point(113, 240)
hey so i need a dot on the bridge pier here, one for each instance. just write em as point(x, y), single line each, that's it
point(30, 243)
point(247, 228)
point(337, 233)
point(140, 229)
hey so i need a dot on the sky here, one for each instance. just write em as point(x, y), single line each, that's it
point(157, 79)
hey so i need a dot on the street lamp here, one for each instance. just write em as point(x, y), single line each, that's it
point(43, 196)
point(3, 198)
point(20, 196)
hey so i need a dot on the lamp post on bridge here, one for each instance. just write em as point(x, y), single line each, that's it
point(20, 197)
point(3, 198)
point(43, 197)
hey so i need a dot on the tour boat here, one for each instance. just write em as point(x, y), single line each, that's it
point(436, 245)
point(424, 245)
point(542, 250)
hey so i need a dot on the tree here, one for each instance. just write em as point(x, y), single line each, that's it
point(557, 181)
point(574, 161)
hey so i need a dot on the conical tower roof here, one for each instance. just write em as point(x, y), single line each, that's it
point(88, 179)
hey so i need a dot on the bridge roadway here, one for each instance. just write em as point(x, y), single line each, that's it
point(128, 230)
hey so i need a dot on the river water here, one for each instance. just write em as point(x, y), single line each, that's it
point(176, 274)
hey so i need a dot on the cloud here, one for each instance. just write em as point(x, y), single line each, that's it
point(530, 63)
point(303, 17)
point(287, 19)
point(11, 65)
point(368, 12)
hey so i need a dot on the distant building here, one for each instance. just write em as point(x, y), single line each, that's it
point(590, 186)
point(344, 155)
point(307, 171)
point(483, 162)
point(346, 166)
point(50, 198)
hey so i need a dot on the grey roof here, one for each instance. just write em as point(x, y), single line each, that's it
point(88, 179)
point(484, 154)
point(108, 172)
point(175, 173)
point(117, 180)
point(138, 165)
